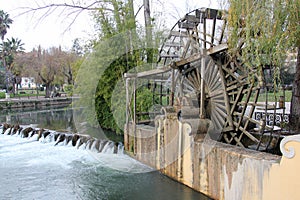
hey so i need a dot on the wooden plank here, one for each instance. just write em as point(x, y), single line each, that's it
point(169, 56)
point(245, 107)
point(223, 31)
point(252, 108)
point(236, 100)
point(217, 49)
point(204, 33)
point(178, 34)
point(186, 48)
point(212, 14)
point(191, 19)
point(188, 60)
point(148, 73)
point(247, 117)
point(226, 97)
point(185, 25)
point(213, 31)
point(173, 44)
point(250, 136)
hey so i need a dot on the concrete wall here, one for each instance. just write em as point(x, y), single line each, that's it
point(41, 102)
point(218, 170)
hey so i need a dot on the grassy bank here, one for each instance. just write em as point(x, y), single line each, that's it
point(24, 93)
point(271, 96)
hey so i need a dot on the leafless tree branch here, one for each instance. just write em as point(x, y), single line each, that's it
point(72, 10)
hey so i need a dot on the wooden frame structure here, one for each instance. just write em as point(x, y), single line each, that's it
point(194, 61)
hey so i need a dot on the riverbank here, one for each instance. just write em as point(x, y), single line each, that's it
point(33, 102)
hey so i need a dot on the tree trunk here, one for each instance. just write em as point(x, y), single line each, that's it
point(295, 102)
point(48, 90)
point(148, 31)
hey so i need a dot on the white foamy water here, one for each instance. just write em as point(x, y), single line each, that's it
point(31, 169)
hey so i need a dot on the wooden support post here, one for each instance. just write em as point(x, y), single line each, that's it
point(213, 32)
point(134, 116)
point(127, 115)
point(202, 93)
point(171, 102)
point(161, 91)
point(153, 93)
point(204, 32)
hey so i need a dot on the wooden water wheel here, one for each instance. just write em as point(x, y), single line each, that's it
point(227, 92)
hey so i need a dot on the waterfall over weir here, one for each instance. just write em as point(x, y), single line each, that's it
point(59, 138)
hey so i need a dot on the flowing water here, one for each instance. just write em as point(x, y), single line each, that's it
point(31, 169)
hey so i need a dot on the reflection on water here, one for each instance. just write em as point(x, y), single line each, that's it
point(53, 118)
point(59, 119)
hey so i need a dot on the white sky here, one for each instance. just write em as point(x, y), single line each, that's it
point(53, 30)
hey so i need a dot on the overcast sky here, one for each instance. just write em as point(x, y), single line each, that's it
point(53, 30)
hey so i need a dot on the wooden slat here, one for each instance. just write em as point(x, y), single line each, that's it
point(173, 44)
point(191, 19)
point(217, 49)
point(254, 139)
point(185, 25)
point(178, 34)
point(169, 56)
point(148, 73)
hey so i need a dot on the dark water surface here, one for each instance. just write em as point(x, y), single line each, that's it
point(31, 169)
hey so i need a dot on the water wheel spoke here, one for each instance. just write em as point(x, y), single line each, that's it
point(215, 94)
point(220, 116)
point(194, 80)
point(214, 73)
point(208, 77)
point(217, 85)
point(216, 121)
point(221, 108)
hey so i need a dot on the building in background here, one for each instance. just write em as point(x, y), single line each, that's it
point(27, 83)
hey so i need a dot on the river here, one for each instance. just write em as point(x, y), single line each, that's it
point(31, 169)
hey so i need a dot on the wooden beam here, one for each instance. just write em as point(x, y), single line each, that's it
point(191, 19)
point(148, 73)
point(178, 34)
point(217, 49)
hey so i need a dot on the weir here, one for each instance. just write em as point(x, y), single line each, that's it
point(59, 138)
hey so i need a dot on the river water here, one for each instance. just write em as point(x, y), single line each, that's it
point(31, 169)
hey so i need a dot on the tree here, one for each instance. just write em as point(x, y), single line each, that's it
point(261, 32)
point(5, 22)
point(148, 27)
point(111, 17)
point(49, 67)
point(9, 49)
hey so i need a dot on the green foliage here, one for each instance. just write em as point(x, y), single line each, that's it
point(262, 32)
point(144, 99)
point(69, 89)
point(118, 49)
point(5, 22)
point(2, 95)
point(105, 90)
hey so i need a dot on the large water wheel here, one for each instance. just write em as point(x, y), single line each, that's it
point(226, 91)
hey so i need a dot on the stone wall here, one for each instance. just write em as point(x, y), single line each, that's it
point(34, 103)
point(218, 170)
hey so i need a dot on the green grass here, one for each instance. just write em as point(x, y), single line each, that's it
point(24, 93)
point(272, 95)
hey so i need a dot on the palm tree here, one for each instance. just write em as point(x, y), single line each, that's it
point(9, 49)
point(5, 22)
